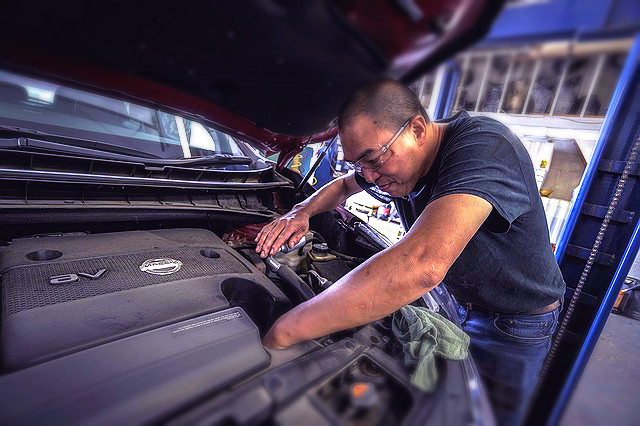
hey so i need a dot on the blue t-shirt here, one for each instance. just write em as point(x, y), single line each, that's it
point(508, 265)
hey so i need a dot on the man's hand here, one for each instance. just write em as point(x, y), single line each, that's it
point(288, 228)
point(291, 227)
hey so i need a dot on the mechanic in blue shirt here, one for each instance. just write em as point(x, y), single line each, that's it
point(466, 193)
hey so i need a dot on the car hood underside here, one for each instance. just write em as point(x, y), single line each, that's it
point(272, 72)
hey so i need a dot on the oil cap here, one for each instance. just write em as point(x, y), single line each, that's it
point(321, 248)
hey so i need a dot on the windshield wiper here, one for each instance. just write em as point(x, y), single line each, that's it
point(215, 159)
point(12, 137)
point(25, 140)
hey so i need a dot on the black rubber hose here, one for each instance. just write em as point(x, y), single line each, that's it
point(294, 283)
point(347, 258)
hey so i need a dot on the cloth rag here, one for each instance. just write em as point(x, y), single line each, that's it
point(425, 334)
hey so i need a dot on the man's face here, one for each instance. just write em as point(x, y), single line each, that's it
point(404, 160)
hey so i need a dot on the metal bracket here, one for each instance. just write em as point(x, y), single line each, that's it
point(616, 167)
point(584, 298)
point(605, 259)
point(597, 210)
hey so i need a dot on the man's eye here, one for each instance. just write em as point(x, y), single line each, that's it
point(378, 160)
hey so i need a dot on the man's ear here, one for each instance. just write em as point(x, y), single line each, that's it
point(419, 127)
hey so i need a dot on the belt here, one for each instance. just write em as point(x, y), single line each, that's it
point(479, 308)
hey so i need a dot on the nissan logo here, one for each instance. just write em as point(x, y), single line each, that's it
point(161, 266)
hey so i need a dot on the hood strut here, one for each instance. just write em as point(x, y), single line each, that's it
point(315, 165)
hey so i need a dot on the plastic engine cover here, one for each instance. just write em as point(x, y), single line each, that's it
point(63, 294)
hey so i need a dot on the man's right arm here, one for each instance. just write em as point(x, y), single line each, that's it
point(291, 227)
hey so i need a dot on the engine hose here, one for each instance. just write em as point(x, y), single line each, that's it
point(633, 154)
point(347, 258)
point(318, 236)
point(295, 285)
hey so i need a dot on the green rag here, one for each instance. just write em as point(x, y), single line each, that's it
point(423, 335)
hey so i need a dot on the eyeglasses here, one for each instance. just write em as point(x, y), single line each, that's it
point(375, 160)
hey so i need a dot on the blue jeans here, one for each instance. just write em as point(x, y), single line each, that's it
point(508, 350)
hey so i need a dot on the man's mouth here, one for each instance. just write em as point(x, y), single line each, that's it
point(385, 186)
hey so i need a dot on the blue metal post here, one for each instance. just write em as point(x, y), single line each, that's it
point(447, 91)
point(596, 327)
point(609, 127)
point(551, 19)
point(618, 244)
point(324, 174)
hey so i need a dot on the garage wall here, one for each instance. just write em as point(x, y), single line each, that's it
point(635, 268)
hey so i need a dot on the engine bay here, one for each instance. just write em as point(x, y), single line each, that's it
point(164, 326)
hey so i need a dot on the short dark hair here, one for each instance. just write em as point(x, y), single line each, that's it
point(388, 102)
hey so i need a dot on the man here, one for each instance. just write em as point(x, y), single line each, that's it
point(466, 192)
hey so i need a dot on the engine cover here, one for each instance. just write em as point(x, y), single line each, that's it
point(145, 376)
point(62, 294)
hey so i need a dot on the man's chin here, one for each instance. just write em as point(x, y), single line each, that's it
point(393, 189)
point(397, 194)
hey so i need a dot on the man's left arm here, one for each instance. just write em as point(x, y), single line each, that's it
point(390, 279)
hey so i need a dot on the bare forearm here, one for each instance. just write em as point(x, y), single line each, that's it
point(392, 278)
point(329, 196)
point(372, 291)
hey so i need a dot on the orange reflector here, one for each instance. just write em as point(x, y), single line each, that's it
point(359, 389)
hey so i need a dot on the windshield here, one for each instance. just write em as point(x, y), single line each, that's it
point(30, 104)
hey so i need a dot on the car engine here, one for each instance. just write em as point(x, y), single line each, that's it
point(164, 326)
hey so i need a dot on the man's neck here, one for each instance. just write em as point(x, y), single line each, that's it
point(437, 134)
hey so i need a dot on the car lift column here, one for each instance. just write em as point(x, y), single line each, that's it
point(447, 90)
point(604, 274)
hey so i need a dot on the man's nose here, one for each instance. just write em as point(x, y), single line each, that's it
point(370, 175)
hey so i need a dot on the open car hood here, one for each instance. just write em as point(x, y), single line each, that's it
point(273, 73)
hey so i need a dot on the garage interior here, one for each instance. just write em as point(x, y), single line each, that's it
point(568, 87)
point(563, 75)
